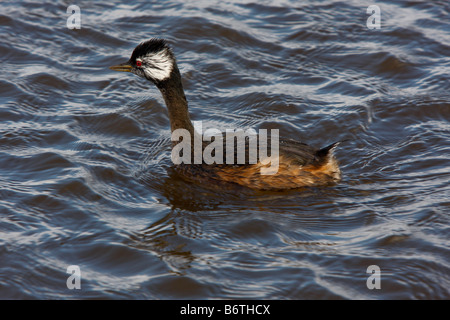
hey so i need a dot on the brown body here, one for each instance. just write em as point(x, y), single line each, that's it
point(288, 176)
point(299, 166)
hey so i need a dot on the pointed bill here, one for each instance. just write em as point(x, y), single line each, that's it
point(123, 67)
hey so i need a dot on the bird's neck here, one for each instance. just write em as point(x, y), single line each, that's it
point(175, 99)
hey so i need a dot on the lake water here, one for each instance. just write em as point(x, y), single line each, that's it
point(85, 169)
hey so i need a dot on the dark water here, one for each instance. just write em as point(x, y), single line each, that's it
point(85, 170)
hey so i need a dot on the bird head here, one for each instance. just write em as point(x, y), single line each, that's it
point(151, 59)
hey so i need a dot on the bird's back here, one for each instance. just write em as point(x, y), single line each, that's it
point(297, 165)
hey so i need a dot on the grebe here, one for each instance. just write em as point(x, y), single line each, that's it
point(300, 165)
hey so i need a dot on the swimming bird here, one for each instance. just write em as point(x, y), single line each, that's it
point(299, 165)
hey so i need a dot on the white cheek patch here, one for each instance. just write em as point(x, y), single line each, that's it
point(157, 65)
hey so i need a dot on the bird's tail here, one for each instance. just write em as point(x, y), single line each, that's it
point(328, 150)
point(322, 153)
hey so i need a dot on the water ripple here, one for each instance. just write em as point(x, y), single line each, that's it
point(85, 169)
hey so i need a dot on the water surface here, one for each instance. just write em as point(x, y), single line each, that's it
point(85, 170)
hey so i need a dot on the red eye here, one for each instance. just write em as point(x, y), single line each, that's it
point(138, 63)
